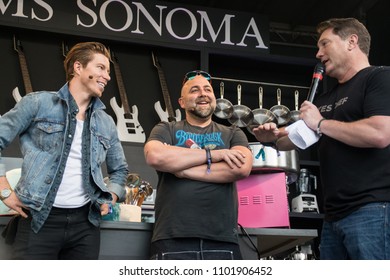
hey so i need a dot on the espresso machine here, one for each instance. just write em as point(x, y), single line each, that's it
point(305, 201)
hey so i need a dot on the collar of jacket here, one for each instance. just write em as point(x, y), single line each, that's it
point(64, 93)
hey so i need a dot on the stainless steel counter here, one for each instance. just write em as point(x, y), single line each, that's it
point(273, 241)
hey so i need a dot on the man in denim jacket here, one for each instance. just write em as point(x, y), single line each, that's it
point(65, 137)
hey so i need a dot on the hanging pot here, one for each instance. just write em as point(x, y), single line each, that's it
point(224, 108)
point(260, 115)
point(242, 115)
point(281, 112)
point(294, 115)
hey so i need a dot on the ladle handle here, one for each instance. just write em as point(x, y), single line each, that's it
point(221, 89)
point(279, 96)
point(239, 94)
point(296, 100)
point(260, 97)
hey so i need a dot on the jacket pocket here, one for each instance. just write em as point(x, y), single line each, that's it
point(48, 135)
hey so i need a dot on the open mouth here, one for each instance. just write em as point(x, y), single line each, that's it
point(202, 102)
point(102, 85)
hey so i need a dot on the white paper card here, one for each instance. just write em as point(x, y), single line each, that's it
point(301, 135)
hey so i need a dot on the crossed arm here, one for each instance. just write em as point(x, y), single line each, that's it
point(228, 165)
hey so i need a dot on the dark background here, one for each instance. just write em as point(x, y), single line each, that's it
point(290, 61)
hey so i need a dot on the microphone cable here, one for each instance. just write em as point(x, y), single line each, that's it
point(250, 240)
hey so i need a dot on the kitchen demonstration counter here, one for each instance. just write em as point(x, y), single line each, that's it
point(131, 240)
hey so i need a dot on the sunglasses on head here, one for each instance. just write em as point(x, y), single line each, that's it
point(192, 74)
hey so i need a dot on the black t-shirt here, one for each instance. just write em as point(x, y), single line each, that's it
point(352, 177)
point(190, 208)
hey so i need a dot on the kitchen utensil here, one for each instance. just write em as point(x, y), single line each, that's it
point(260, 115)
point(281, 112)
point(224, 108)
point(307, 181)
point(242, 115)
point(136, 195)
point(136, 189)
point(298, 254)
point(266, 159)
point(294, 115)
point(305, 201)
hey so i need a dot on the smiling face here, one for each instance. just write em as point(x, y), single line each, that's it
point(91, 79)
point(198, 100)
point(96, 74)
point(87, 67)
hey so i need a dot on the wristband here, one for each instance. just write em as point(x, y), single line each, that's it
point(319, 127)
point(208, 159)
point(269, 144)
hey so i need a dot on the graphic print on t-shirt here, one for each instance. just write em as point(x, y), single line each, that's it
point(209, 140)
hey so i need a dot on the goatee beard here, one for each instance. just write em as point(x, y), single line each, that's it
point(202, 114)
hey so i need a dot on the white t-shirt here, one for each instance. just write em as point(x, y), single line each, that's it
point(71, 192)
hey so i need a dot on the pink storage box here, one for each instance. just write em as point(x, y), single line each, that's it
point(262, 201)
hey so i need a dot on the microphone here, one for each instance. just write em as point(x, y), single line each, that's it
point(317, 77)
point(191, 144)
point(90, 77)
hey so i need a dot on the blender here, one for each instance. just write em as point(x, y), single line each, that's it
point(305, 201)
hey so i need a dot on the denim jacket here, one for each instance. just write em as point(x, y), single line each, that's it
point(43, 121)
